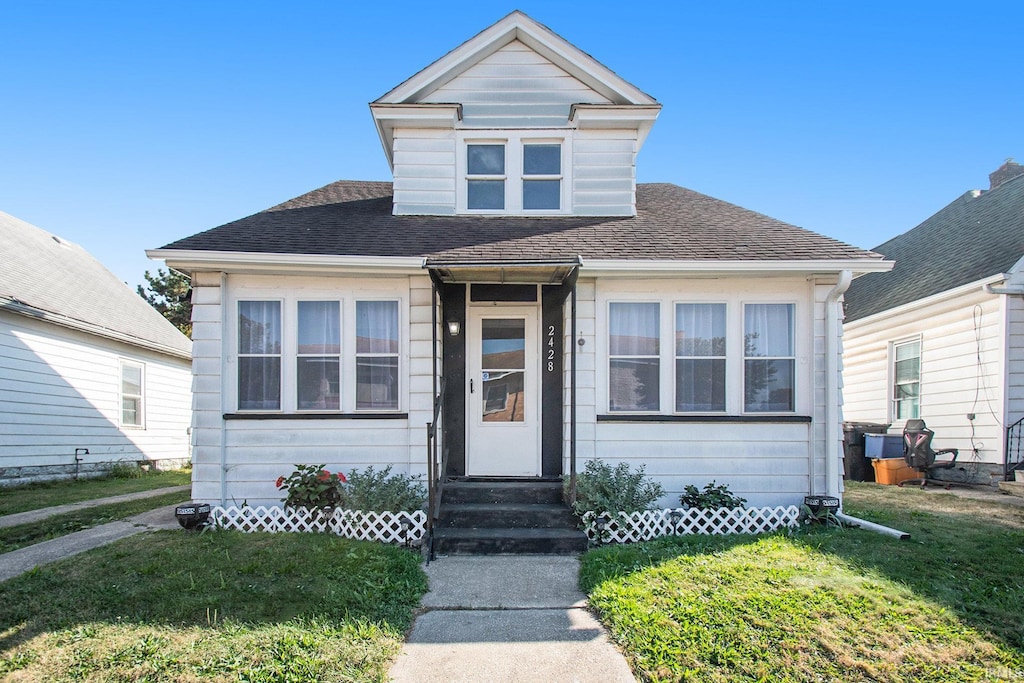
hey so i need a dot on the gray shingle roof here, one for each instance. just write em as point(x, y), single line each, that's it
point(353, 218)
point(976, 236)
point(59, 278)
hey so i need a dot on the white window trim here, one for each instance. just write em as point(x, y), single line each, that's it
point(513, 140)
point(891, 388)
point(667, 295)
point(347, 296)
point(340, 355)
point(124, 362)
point(728, 363)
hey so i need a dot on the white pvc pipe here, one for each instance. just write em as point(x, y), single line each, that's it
point(871, 526)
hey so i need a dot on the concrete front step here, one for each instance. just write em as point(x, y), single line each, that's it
point(467, 541)
point(506, 515)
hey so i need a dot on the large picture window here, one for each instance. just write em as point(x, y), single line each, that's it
point(376, 355)
point(769, 351)
point(634, 365)
point(259, 355)
point(700, 357)
point(906, 373)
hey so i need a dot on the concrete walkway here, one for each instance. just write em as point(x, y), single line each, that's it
point(19, 561)
point(43, 513)
point(507, 618)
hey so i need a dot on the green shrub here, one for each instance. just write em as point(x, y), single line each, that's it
point(382, 491)
point(711, 498)
point(311, 486)
point(601, 488)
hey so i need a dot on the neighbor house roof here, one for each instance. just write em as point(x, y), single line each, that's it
point(48, 278)
point(976, 236)
point(354, 218)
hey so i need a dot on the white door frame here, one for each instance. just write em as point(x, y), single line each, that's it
point(508, 449)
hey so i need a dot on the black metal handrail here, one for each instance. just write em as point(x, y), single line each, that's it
point(435, 473)
point(1014, 459)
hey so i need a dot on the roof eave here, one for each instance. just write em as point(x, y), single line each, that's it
point(711, 267)
point(190, 261)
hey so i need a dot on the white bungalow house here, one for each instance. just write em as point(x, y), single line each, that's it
point(941, 337)
point(571, 312)
point(90, 374)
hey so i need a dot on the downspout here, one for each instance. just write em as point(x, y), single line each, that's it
point(832, 412)
point(223, 422)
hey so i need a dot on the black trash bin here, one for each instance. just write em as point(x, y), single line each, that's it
point(856, 466)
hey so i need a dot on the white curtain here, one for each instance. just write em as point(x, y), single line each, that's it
point(633, 329)
point(700, 329)
point(377, 327)
point(768, 330)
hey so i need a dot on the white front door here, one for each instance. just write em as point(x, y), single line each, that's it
point(504, 392)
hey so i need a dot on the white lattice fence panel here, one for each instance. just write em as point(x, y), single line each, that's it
point(631, 527)
point(388, 527)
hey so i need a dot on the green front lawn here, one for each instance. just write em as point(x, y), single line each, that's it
point(217, 606)
point(14, 537)
point(844, 605)
point(47, 494)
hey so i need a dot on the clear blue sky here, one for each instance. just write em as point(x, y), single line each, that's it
point(127, 125)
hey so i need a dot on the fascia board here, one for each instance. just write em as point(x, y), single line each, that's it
point(602, 116)
point(618, 268)
point(387, 117)
point(240, 261)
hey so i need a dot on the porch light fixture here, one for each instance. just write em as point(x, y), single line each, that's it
point(454, 327)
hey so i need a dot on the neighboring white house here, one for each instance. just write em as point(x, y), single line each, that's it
point(570, 310)
point(90, 374)
point(941, 336)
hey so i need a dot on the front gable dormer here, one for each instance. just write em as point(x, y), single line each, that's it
point(516, 121)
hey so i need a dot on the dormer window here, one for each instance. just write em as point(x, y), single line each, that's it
point(542, 176)
point(485, 176)
point(518, 174)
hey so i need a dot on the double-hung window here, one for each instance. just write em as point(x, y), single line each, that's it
point(259, 355)
point(542, 176)
point(769, 353)
point(318, 355)
point(376, 355)
point(485, 176)
point(906, 374)
point(634, 356)
point(131, 394)
point(700, 357)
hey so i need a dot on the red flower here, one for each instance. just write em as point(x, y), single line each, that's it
point(280, 480)
point(324, 475)
point(341, 478)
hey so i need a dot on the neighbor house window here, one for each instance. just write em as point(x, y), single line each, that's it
point(259, 355)
point(906, 372)
point(769, 365)
point(634, 349)
point(700, 357)
point(485, 176)
point(318, 355)
point(542, 180)
point(131, 394)
point(377, 347)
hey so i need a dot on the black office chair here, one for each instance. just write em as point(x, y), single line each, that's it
point(918, 453)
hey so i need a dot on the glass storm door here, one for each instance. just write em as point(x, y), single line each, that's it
point(503, 393)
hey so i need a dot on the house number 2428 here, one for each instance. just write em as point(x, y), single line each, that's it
point(551, 349)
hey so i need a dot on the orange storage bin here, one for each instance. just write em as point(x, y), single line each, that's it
point(893, 470)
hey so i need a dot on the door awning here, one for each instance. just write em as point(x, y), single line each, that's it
point(526, 272)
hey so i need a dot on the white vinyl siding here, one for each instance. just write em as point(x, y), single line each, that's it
point(61, 390)
point(962, 370)
point(1015, 359)
point(424, 172)
point(604, 172)
point(515, 88)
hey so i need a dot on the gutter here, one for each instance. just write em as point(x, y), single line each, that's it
point(871, 526)
point(832, 414)
point(1009, 291)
